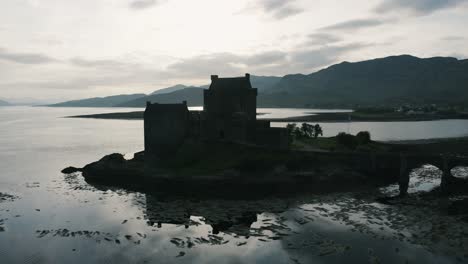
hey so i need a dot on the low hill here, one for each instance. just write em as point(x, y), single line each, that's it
point(193, 96)
point(170, 89)
point(4, 103)
point(108, 101)
point(264, 84)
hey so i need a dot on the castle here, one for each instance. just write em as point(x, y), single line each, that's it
point(229, 114)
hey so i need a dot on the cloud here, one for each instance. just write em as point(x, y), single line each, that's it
point(321, 39)
point(314, 59)
point(269, 62)
point(205, 65)
point(142, 4)
point(278, 9)
point(25, 58)
point(228, 64)
point(103, 63)
point(355, 24)
point(84, 77)
point(417, 7)
point(266, 58)
point(453, 38)
point(286, 11)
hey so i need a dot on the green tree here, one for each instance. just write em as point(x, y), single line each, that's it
point(307, 130)
point(291, 130)
point(298, 133)
point(291, 127)
point(318, 131)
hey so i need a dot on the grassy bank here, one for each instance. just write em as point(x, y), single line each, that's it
point(433, 146)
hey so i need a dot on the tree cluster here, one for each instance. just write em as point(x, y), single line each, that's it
point(304, 131)
point(350, 141)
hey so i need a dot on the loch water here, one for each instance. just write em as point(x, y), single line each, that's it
point(49, 217)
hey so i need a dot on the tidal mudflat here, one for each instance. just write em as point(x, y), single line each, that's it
point(144, 227)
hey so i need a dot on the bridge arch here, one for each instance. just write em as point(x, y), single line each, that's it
point(440, 163)
point(460, 172)
point(424, 177)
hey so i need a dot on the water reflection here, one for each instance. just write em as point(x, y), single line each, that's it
point(220, 215)
point(136, 227)
point(423, 179)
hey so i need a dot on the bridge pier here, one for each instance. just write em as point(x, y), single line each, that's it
point(403, 180)
point(446, 175)
point(373, 161)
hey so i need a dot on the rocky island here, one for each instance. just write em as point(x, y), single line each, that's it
point(224, 147)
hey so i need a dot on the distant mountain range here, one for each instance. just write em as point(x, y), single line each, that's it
point(4, 103)
point(109, 101)
point(170, 89)
point(390, 80)
point(393, 79)
point(193, 96)
point(174, 94)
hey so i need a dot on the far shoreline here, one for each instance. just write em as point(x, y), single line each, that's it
point(341, 117)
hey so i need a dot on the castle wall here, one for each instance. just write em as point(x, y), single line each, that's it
point(229, 108)
point(165, 130)
point(218, 103)
point(274, 137)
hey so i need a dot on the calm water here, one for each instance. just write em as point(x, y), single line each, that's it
point(52, 218)
point(382, 131)
point(389, 131)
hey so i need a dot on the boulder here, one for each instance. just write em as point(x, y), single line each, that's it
point(70, 170)
point(113, 167)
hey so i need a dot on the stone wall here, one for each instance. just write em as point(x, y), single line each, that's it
point(273, 137)
point(166, 128)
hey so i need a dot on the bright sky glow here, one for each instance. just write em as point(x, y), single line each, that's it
point(53, 50)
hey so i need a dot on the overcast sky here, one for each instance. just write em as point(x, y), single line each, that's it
point(53, 50)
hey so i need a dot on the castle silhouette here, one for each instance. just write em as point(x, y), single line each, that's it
point(229, 114)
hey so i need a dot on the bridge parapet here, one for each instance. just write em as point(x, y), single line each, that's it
point(396, 167)
point(391, 166)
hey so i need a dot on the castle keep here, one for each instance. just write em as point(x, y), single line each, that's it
point(229, 114)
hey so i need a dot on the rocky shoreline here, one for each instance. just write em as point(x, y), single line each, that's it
point(279, 177)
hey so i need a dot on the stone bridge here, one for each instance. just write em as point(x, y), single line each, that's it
point(396, 167)
point(443, 162)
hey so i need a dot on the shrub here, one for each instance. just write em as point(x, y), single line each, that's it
point(363, 138)
point(346, 140)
